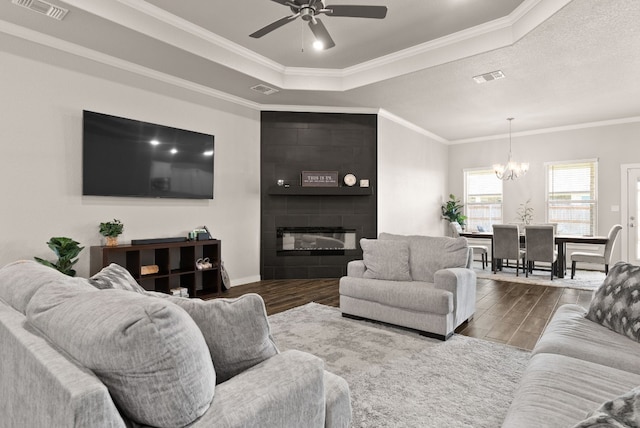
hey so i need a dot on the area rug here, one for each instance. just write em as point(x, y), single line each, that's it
point(584, 279)
point(401, 379)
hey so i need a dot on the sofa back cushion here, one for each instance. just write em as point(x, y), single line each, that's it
point(429, 254)
point(20, 280)
point(616, 304)
point(148, 352)
point(237, 331)
point(387, 260)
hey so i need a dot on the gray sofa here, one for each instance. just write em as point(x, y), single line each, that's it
point(419, 282)
point(72, 355)
point(581, 371)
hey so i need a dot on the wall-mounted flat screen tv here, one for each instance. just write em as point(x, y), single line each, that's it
point(125, 157)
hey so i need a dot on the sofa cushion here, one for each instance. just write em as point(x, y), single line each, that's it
point(429, 254)
point(559, 391)
point(570, 333)
point(387, 260)
point(237, 331)
point(148, 352)
point(115, 276)
point(616, 304)
point(284, 391)
point(20, 280)
point(412, 295)
point(620, 412)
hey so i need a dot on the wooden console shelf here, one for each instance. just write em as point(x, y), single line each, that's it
point(174, 264)
point(320, 191)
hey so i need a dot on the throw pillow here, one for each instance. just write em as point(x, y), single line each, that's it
point(621, 412)
point(237, 331)
point(616, 304)
point(115, 276)
point(148, 352)
point(429, 254)
point(386, 259)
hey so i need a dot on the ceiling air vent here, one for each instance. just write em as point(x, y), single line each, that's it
point(264, 89)
point(487, 77)
point(43, 7)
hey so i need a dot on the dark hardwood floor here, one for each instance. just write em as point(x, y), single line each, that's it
point(506, 312)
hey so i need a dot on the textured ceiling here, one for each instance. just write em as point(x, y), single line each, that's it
point(578, 64)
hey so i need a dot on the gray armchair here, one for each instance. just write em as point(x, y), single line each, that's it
point(506, 245)
point(603, 259)
point(540, 246)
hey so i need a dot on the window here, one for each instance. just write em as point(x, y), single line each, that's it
point(483, 199)
point(572, 196)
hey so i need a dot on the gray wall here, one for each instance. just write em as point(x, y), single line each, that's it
point(412, 180)
point(41, 167)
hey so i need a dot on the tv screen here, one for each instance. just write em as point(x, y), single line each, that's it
point(125, 157)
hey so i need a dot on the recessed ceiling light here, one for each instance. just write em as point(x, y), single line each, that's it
point(173, 151)
point(154, 142)
point(487, 77)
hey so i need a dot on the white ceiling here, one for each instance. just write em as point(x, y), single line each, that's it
point(568, 63)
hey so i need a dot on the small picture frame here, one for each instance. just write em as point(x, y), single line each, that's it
point(319, 179)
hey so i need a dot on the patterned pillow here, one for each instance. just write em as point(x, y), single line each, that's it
point(115, 276)
point(386, 259)
point(616, 304)
point(621, 412)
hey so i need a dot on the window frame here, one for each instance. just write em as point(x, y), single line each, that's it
point(466, 202)
point(595, 201)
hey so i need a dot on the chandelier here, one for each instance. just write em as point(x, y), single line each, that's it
point(512, 170)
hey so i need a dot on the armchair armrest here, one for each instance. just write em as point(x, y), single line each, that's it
point(461, 282)
point(356, 268)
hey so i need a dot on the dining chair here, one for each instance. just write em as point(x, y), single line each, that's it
point(483, 250)
point(540, 246)
point(506, 245)
point(602, 259)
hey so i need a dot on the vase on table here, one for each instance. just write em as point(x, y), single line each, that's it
point(112, 241)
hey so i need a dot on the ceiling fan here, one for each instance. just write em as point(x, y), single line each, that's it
point(308, 9)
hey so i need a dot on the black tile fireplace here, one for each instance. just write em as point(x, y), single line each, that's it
point(309, 232)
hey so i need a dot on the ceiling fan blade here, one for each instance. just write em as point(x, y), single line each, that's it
point(356, 11)
point(321, 34)
point(273, 26)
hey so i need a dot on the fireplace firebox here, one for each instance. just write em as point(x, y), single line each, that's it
point(315, 240)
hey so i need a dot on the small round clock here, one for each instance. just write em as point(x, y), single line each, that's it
point(350, 180)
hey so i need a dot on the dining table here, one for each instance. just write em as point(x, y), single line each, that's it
point(561, 242)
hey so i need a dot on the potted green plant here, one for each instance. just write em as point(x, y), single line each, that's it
point(110, 230)
point(525, 212)
point(452, 210)
point(67, 250)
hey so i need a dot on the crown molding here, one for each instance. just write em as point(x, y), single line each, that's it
point(612, 122)
point(403, 122)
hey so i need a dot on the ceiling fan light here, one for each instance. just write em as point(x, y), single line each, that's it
point(318, 45)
